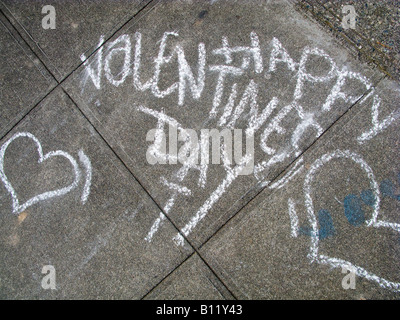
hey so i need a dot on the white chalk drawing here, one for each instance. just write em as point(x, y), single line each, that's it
point(378, 126)
point(297, 168)
point(253, 51)
point(177, 189)
point(127, 60)
point(95, 75)
point(314, 255)
point(232, 174)
point(16, 206)
point(83, 158)
point(294, 220)
point(232, 105)
point(185, 72)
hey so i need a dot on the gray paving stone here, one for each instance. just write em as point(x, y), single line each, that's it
point(23, 79)
point(79, 26)
point(267, 250)
point(193, 280)
point(124, 113)
point(90, 229)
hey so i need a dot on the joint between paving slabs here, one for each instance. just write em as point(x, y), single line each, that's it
point(273, 180)
point(150, 196)
point(307, 7)
point(32, 52)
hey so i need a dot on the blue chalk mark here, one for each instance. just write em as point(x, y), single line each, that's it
point(398, 182)
point(325, 221)
point(368, 197)
point(353, 210)
point(326, 226)
point(386, 187)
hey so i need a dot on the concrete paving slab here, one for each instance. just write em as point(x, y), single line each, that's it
point(78, 27)
point(293, 79)
point(369, 28)
point(68, 202)
point(335, 209)
point(23, 79)
point(193, 280)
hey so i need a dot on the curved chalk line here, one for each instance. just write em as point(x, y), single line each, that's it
point(17, 208)
point(335, 262)
point(88, 167)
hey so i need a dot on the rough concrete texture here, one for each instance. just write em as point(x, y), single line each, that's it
point(374, 38)
point(95, 245)
point(191, 281)
point(271, 239)
point(79, 25)
point(79, 190)
point(19, 69)
point(121, 112)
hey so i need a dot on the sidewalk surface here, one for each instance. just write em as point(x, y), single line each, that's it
point(83, 106)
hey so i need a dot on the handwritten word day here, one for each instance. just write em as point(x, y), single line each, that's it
point(271, 118)
point(229, 106)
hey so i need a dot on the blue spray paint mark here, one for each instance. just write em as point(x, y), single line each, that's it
point(368, 197)
point(353, 210)
point(326, 226)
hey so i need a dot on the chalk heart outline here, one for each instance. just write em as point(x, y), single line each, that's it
point(17, 208)
point(373, 222)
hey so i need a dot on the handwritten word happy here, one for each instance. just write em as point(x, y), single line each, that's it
point(335, 78)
